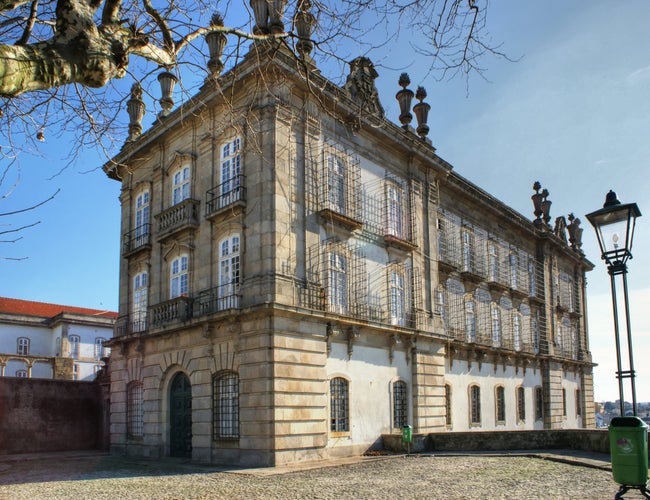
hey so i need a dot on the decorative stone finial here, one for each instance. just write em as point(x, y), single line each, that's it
point(404, 97)
point(276, 13)
point(261, 15)
point(537, 204)
point(546, 207)
point(575, 233)
point(167, 82)
point(304, 22)
point(135, 107)
point(216, 41)
point(421, 110)
point(560, 228)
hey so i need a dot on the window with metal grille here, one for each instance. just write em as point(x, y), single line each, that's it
point(516, 330)
point(521, 404)
point(134, 410)
point(74, 342)
point(225, 390)
point(493, 262)
point(339, 401)
point(470, 319)
point(539, 403)
point(496, 325)
point(564, 402)
point(578, 403)
point(501, 404)
point(475, 405)
point(397, 298)
point(400, 404)
point(338, 283)
point(23, 346)
point(447, 404)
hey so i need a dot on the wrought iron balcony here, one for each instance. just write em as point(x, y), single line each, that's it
point(217, 299)
point(137, 239)
point(181, 216)
point(132, 323)
point(177, 309)
point(226, 195)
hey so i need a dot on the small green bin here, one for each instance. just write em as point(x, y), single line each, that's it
point(407, 433)
point(628, 446)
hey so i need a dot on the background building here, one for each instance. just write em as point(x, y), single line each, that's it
point(299, 276)
point(40, 340)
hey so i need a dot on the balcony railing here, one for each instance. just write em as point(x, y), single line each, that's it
point(137, 239)
point(217, 299)
point(178, 309)
point(225, 195)
point(134, 323)
point(180, 216)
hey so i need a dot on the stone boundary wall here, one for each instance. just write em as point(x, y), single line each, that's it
point(568, 439)
point(39, 415)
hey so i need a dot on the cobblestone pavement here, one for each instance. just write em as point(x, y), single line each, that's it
point(98, 476)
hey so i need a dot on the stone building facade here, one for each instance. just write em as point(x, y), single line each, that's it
point(52, 341)
point(299, 276)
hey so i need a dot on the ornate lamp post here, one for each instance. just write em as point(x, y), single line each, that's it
point(614, 225)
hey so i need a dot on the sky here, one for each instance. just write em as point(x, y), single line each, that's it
point(571, 111)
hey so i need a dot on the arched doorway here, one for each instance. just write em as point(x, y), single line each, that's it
point(180, 416)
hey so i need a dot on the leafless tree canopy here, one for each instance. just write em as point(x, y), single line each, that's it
point(62, 60)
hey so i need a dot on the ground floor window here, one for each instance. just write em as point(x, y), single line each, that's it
point(475, 405)
point(539, 403)
point(339, 405)
point(501, 404)
point(134, 410)
point(400, 404)
point(226, 404)
point(447, 405)
point(521, 404)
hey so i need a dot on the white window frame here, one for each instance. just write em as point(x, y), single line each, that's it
point(516, 330)
point(468, 250)
point(75, 345)
point(493, 262)
point(100, 350)
point(142, 215)
point(23, 346)
point(179, 276)
point(338, 282)
point(337, 186)
point(513, 264)
point(181, 184)
point(229, 271)
point(470, 319)
point(495, 316)
point(230, 171)
point(140, 301)
point(397, 298)
point(21, 373)
point(395, 209)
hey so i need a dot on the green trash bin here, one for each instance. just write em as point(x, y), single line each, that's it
point(407, 433)
point(628, 446)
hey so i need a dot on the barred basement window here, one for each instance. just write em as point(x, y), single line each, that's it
point(501, 404)
point(521, 404)
point(400, 404)
point(475, 405)
point(539, 403)
point(134, 410)
point(339, 405)
point(447, 404)
point(225, 388)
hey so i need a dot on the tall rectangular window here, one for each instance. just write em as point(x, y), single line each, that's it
point(532, 282)
point(400, 404)
point(501, 404)
point(337, 292)
point(226, 404)
point(578, 403)
point(230, 171)
point(339, 405)
point(141, 219)
point(229, 253)
point(564, 402)
point(140, 302)
point(513, 263)
point(336, 184)
point(394, 210)
point(74, 342)
point(475, 405)
point(397, 298)
point(179, 277)
point(181, 185)
point(470, 320)
point(493, 262)
point(134, 410)
point(496, 325)
point(516, 330)
point(23, 346)
point(521, 404)
point(468, 251)
point(99, 347)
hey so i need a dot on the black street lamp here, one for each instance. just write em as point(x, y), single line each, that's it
point(614, 225)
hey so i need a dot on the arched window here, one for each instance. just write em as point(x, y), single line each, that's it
point(500, 401)
point(475, 405)
point(21, 373)
point(229, 277)
point(23, 346)
point(339, 405)
point(400, 404)
point(179, 277)
point(74, 342)
point(448, 405)
point(521, 404)
point(140, 302)
point(134, 410)
point(225, 390)
point(181, 185)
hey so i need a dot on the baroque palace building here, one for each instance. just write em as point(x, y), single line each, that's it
point(300, 275)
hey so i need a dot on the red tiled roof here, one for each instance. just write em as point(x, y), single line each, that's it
point(43, 309)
